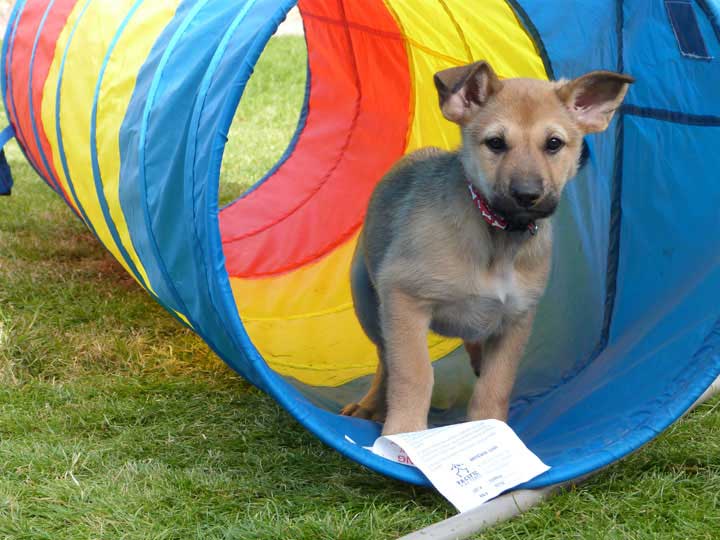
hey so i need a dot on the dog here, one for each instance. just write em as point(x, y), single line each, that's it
point(460, 242)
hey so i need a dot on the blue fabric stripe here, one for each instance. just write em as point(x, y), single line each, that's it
point(189, 172)
point(712, 16)
point(6, 49)
point(142, 176)
point(676, 117)
point(5, 136)
point(99, 188)
point(204, 157)
point(616, 204)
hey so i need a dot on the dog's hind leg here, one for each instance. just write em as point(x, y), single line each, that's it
point(366, 304)
point(373, 405)
point(475, 350)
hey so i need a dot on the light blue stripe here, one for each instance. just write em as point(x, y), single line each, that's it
point(94, 151)
point(58, 128)
point(7, 39)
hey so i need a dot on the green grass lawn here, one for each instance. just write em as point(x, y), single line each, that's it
point(116, 422)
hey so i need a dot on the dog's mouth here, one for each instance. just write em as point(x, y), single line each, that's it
point(519, 216)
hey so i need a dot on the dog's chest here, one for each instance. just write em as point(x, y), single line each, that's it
point(481, 305)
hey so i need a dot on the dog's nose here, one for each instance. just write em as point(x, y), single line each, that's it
point(526, 192)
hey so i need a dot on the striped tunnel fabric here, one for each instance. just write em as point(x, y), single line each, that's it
point(93, 87)
point(123, 107)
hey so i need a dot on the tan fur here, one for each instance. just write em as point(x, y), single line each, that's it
point(426, 258)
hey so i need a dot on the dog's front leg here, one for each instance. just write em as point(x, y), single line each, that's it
point(405, 323)
point(500, 358)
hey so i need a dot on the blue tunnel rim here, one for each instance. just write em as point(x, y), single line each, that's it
point(268, 380)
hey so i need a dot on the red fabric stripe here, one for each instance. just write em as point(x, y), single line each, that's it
point(44, 54)
point(356, 129)
point(19, 62)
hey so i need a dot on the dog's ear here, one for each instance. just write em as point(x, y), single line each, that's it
point(593, 98)
point(463, 89)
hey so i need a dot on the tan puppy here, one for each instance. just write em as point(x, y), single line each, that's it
point(460, 242)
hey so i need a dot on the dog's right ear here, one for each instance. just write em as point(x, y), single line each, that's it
point(463, 89)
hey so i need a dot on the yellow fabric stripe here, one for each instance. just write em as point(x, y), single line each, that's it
point(91, 41)
point(304, 325)
point(116, 89)
point(447, 32)
point(48, 105)
point(302, 322)
point(84, 59)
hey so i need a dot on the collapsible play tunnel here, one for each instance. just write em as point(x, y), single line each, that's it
point(124, 107)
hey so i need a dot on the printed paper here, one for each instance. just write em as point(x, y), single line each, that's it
point(468, 463)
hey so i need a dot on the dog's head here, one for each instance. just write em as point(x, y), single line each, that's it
point(522, 138)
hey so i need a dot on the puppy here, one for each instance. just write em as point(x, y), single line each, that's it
point(460, 242)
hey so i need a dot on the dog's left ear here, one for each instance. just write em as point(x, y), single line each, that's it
point(593, 98)
point(463, 89)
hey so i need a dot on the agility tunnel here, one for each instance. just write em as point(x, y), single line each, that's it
point(123, 107)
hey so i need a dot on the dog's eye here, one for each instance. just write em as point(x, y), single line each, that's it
point(496, 144)
point(553, 144)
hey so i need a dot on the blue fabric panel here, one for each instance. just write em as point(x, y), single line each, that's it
point(665, 78)
point(577, 39)
point(132, 168)
point(665, 344)
point(670, 209)
point(186, 60)
point(686, 29)
point(171, 94)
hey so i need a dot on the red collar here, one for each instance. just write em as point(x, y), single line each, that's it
point(490, 217)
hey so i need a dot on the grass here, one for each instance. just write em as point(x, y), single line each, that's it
point(116, 422)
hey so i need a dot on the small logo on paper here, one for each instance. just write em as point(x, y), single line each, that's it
point(464, 475)
point(460, 470)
